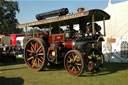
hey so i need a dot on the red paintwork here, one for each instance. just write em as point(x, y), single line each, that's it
point(50, 39)
point(14, 36)
point(69, 44)
point(38, 35)
point(57, 38)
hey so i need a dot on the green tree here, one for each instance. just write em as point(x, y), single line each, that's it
point(8, 21)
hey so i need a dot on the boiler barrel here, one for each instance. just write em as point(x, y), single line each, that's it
point(79, 44)
point(53, 13)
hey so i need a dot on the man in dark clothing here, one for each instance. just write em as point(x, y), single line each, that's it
point(56, 30)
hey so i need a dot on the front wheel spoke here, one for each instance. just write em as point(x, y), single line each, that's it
point(73, 69)
point(30, 58)
point(72, 55)
point(70, 59)
point(75, 57)
point(78, 68)
point(78, 60)
point(79, 64)
point(70, 66)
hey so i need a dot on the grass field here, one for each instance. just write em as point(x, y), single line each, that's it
point(18, 74)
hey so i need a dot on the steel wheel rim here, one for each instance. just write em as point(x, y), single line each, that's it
point(74, 64)
point(34, 54)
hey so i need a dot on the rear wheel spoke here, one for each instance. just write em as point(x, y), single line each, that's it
point(32, 45)
point(30, 51)
point(34, 63)
point(40, 60)
point(30, 58)
point(40, 54)
point(38, 49)
point(35, 46)
point(30, 54)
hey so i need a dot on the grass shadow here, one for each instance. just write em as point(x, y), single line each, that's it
point(108, 68)
point(54, 67)
point(12, 68)
point(11, 81)
point(18, 61)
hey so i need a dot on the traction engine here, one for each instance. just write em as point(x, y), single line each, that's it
point(79, 50)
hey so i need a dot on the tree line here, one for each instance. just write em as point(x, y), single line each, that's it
point(8, 20)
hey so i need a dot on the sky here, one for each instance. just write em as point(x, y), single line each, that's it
point(29, 8)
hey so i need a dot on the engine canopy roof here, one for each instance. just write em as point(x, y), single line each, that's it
point(68, 19)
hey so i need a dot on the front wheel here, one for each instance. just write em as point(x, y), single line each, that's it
point(74, 62)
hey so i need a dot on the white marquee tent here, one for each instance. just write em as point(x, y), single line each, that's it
point(115, 46)
point(118, 24)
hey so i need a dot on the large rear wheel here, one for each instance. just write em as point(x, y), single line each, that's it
point(35, 54)
point(74, 62)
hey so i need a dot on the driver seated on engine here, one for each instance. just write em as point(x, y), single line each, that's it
point(97, 28)
point(56, 30)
